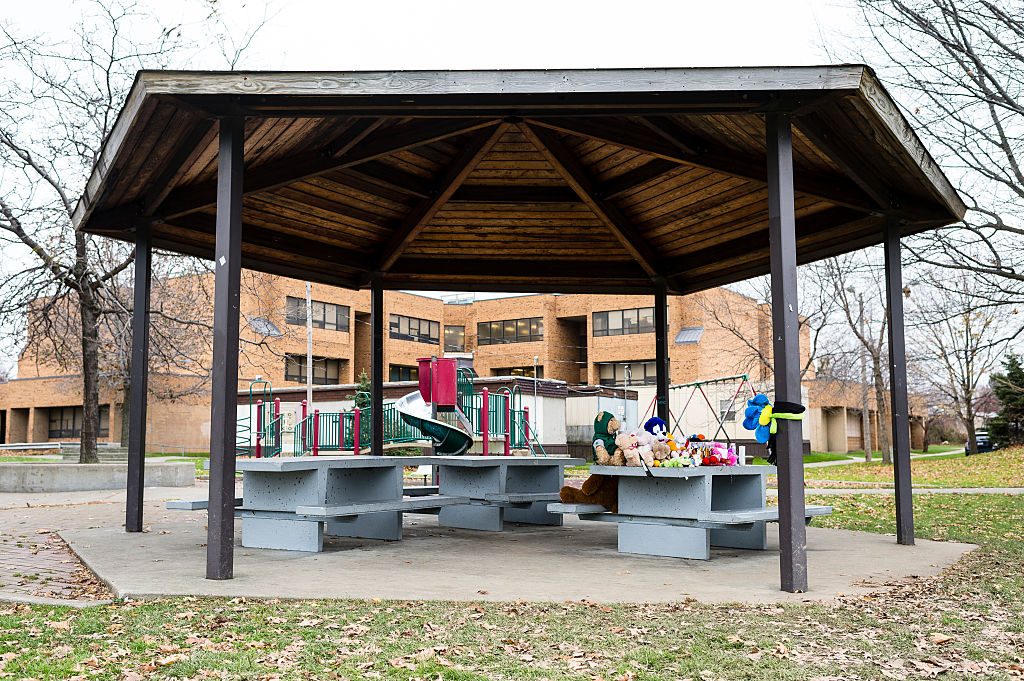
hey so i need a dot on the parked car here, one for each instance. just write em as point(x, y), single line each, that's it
point(982, 441)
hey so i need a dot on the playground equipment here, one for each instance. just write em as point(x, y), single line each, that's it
point(714, 417)
point(415, 418)
point(259, 432)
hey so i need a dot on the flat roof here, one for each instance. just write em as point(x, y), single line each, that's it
point(527, 180)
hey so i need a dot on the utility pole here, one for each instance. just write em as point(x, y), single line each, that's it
point(536, 407)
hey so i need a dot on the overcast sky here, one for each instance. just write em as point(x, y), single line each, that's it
point(444, 34)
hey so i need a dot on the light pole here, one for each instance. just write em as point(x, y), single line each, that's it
point(865, 414)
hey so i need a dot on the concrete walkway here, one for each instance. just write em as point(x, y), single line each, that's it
point(576, 561)
point(573, 562)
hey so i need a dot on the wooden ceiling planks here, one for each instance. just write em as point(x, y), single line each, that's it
point(640, 186)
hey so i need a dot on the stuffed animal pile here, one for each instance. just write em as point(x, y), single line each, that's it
point(651, 445)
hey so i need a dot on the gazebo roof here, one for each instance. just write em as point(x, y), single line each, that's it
point(579, 180)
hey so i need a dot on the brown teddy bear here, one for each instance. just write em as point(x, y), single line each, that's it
point(597, 489)
point(606, 451)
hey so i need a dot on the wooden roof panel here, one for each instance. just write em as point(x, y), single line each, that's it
point(431, 178)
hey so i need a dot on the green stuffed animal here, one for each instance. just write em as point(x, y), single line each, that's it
point(605, 450)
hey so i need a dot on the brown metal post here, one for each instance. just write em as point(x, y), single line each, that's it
point(223, 413)
point(376, 366)
point(898, 385)
point(786, 351)
point(662, 366)
point(139, 380)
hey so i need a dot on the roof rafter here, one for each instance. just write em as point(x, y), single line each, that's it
point(644, 141)
point(577, 177)
point(305, 165)
point(424, 211)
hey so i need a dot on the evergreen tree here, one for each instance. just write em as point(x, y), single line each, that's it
point(363, 391)
point(1007, 428)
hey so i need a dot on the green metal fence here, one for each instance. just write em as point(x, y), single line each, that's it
point(336, 430)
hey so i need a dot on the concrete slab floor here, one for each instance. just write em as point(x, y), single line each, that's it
point(573, 562)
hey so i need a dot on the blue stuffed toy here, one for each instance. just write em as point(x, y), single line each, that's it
point(758, 417)
point(761, 417)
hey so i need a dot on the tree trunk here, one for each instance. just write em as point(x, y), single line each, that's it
point(924, 425)
point(126, 402)
point(972, 444)
point(881, 410)
point(90, 378)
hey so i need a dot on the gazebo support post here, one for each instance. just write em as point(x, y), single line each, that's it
point(223, 413)
point(139, 379)
point(898, 385)
point(376, 365)
point(661, 348)
point(786, 351)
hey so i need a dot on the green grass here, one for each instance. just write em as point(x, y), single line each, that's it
point(901, 633)
point(1001, 468)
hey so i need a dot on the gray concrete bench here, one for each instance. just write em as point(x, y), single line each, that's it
point(710, 520)
point(404, 505)
point(419, 490)
point(193, 504)
point(683, 512)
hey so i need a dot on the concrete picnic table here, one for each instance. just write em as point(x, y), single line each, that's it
point(682, 512)
point(292, 502)
point(501, 488)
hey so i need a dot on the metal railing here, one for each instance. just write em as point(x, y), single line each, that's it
point(336, 431)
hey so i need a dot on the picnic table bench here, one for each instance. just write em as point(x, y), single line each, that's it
point(682, 512)
point(292, 502)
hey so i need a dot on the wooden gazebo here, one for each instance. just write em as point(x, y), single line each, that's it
point(659, 181)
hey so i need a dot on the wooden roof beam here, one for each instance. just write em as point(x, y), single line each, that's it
point(173, 170)
point(643, 140)
point(423, 212)
point(532, 269)
point(577, 177)
point(845, 156)
point(190, 199)
point(758, 241)
point(283, 242)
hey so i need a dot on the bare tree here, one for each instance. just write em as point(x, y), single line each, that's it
point(69, 291)
point(960, 338)
point(58, 103)
point(863, 317)
point(959, 67)
point(750, 324)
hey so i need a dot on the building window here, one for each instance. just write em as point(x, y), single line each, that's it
point(66, 422)
point(397, 372)
point(624, 322)
point(414, 329)
point(326, 371)
point(727, 410)
point(518, 371)
point(510, 331)
point(627, 373)
point(325, 315)
point(454, 339)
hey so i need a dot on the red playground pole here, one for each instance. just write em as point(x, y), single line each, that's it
point(277, 426)
point(355, 431)
point(526, 427)
point(259, 425)
point(304, 432)
point(316, 432)
point(484, 419)
point(508, 425)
